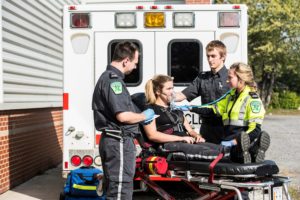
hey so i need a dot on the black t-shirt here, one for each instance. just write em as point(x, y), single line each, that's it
point(111, 97)
point(169, 121)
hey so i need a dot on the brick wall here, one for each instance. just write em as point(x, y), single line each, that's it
point(30, 143)
point(197, 1)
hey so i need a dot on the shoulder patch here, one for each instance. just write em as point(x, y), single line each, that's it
point(255, 106)
point(116, 87)
point(254, 95)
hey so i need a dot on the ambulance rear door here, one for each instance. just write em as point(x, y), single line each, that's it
point(182, 55)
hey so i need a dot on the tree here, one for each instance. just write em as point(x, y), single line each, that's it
point(273, 41)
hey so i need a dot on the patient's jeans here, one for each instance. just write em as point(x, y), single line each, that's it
point(199, 151)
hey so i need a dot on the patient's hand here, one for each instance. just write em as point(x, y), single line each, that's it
point(188, 139)
point(199, 139)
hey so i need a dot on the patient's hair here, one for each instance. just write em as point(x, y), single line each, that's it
point(155, 84)
point(244, 73)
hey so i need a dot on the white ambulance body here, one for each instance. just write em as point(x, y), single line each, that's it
point(172, 40)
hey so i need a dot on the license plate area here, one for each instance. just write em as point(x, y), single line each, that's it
point(277, 193)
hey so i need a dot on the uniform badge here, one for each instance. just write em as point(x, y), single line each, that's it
point(255, 106)
point(116, 87)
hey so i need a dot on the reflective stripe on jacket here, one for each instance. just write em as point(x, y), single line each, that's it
point(240, 110)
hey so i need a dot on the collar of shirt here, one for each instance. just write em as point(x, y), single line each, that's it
point(116, 71)
point(223, 72)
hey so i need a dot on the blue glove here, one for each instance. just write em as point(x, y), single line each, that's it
point(183, 108)
point(228, 143)
point(149, 113)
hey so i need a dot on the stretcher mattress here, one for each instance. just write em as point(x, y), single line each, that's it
point(265, 168)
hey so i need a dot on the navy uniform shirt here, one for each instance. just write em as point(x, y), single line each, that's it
point(210, 87)
point(111, 97)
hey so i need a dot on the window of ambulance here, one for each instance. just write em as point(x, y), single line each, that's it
point(184, 60)
point(135, 77)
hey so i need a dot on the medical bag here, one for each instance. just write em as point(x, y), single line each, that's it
point(83, 182)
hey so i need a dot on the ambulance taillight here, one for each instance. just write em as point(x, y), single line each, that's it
point(75, 160)
point(80, 20)
point(97, 161)
point(87, 161)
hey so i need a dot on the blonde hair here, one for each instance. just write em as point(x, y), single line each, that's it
point(154, 85)
point(244, 73)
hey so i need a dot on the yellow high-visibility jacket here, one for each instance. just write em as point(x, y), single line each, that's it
point(241, 110)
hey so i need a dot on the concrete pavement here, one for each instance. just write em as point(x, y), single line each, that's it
point(46, 186)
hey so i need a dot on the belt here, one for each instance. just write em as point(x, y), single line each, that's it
point(118, 134)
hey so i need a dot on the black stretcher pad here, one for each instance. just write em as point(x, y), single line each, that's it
point(265, 168)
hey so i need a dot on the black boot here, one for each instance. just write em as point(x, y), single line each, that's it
point(263, 145)
point(245, 145)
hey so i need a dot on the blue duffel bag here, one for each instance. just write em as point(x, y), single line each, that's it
point(83, 182)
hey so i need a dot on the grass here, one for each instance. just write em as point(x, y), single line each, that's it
point(294, 192)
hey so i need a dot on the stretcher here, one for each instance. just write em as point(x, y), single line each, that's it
point(215, 179)
point(218, 179)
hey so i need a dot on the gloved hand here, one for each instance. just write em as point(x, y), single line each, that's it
point(228, 143)
point(183, 107)
point(149, 113)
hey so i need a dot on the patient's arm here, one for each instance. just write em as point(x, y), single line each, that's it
point(192, 133)
point(159, 137)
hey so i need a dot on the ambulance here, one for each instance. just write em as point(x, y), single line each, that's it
point(171, 39)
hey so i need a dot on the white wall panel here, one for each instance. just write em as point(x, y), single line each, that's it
point(133, 1)
point(32, 53)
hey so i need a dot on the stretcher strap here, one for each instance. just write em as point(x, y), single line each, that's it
point(212, 166)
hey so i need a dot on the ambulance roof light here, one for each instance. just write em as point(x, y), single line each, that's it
point(125, 20)
point(154, 19)
point(140, 7)
point(72, 7)
point(183, 19)
point(229, 19)
point(80, 20)
point(154, 7)
point(168, 7)
point(236, 6)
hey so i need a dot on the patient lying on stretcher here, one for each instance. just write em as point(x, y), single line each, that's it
point(172, 131)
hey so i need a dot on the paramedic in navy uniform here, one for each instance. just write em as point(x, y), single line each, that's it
point(115, 115)
point(210, 85)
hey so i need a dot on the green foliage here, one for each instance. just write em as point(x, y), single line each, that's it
point(273, 42)
point(285, 100)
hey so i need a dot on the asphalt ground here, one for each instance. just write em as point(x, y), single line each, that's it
point(284, 150)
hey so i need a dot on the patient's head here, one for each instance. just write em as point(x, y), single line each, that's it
point(159, 90)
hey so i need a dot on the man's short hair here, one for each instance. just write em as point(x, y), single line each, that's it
point(217, 44)
point(124, 50)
